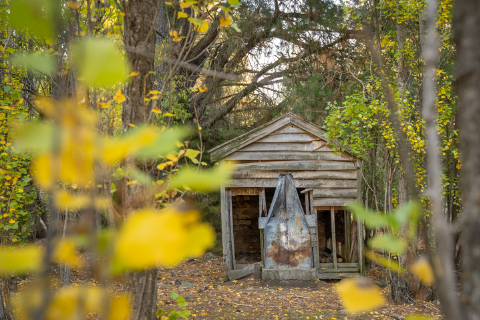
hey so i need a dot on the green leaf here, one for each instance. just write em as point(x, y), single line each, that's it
point(139, 175)
point(234, 3)
point(160, 312)
point(406, 212)
point(34, 137)
point(184, 313)
point(37, 16)
point(192, 153)
point(174, 295)
point(99, 62)
point(40, 62)
point(196, 21)
point(372, 219)
point(203, 180)
point(389, 243)
point(180, 299)
point(235, 27)
point(165, 143)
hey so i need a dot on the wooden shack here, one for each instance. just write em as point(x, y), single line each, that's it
point(325, 181)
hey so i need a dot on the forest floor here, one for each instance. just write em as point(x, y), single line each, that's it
point(213, 297)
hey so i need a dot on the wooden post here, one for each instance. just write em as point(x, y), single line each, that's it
point(316, 249)
point(232, 236)
point(312, 207)
point(307, 203)
point(225, 228)
point(347, 236)
point(361, 258)
point(262, 208)
point(334, 238)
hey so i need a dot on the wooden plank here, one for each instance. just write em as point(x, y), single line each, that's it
point(319, 165)
point(240, 273)
point(334, 239)
point(289, 129)
point(340, 265)
point(323, 270)
point(287, 137)
point(327, 208)
point(291, 146)
point(334, 193)
point(333, 201)
point(285, 155)
point(328, 275)
point(305, 183)
point(228, 147)
point(232, 235)
point(310, 128)
point(245, 191)
point(274, 174)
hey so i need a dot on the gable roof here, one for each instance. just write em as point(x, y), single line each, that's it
point(229, 147)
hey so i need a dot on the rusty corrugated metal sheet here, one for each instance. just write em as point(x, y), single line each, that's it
point(287, 237)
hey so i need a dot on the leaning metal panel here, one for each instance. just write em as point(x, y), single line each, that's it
point(287, 237)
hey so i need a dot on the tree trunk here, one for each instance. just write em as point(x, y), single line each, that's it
point(143, 286)
point(4, 314)
point(466, 32)
point(139, 38)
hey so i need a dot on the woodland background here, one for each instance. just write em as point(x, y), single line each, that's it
point(357, 69)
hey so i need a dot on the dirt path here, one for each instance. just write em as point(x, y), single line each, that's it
point(248, 299)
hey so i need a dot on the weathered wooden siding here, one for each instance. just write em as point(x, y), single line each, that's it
point(311, 161)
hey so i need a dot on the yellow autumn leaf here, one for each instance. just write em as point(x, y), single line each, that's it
point(154, 92)
point(119, 97)
point(162, 166)
point(176, 38)
point(120, 307)
point(423, 271)
point(182, 15)
point(134, 74)
point(226, 22)
point(359, 295)
point(65, 303)
point(132, 182)
point(202, 88)
point(184, 5)
point(74, 4)
point(103, 105)
point(149, 238)
point(172, 157)
point(132, 125)
point(156, 110)
point(11, 221)
point(20, 260)
point(203, 27)
point(168, 3)
point(64, 199)
point(65, 253)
